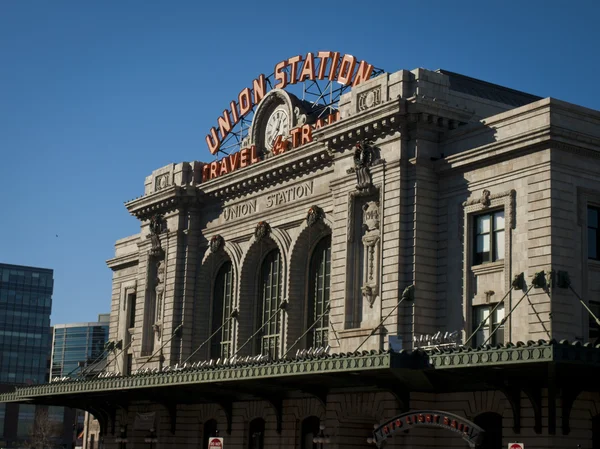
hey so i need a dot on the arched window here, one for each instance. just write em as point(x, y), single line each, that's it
point(310, 429)
point(256, 434)
point(209, 430)
point(220, 346)
point(318, 293)
point(270, 297)
point(492, 424)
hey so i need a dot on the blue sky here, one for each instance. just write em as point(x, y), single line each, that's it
point(96, 95)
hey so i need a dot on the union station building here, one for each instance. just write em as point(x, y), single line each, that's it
point(416, 266)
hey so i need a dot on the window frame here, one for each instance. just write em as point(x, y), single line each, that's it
point(221, 347)
point(491, 323)
point(476, 205)
point(492, 233)
point(319, 293)
point(267, 304)
point(597, 231)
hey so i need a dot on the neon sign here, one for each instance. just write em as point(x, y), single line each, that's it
point(470, 432)
point(346, 70)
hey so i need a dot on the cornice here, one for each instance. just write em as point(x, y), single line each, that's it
point(119, 261)
point(530, 140)
point(373, 123)
point(163, 201)
point(291, 164)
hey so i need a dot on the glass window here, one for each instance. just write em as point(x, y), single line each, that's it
point(489, 237)
point(594, 333)
point(268, 305)
point(481, 314)
point(318, 300)
point(222, 303)
point(256, 434)
point(593, 230)
point(132, 304)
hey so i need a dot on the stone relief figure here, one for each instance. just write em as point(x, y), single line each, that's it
point(364, 157)
point(371, 242)
point(157, 226)
point(216, 243)
point(262, 230)
point(314, 215)
point(159, 290)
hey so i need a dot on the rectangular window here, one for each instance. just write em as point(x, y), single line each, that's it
point(131, 319)
point(593, 233)
point(489, 237)
point(129, 366)
point(481, 313)
point(594, 333)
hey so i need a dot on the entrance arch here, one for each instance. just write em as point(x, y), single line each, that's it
point(469, 431)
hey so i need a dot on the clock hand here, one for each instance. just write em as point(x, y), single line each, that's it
point(276, 133)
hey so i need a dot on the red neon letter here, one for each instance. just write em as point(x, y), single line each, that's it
point(259, 86)
point(245, 102)
point(363, 73)
point(224, 124)
point(308, 70)
point(293, 61)
point(212, 140)
point(324, 56)
point(334, 65)
point(346, 69)
point(280, 75)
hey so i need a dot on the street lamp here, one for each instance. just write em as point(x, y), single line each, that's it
point(151, 438)
point(122, 438)
point(321, 439)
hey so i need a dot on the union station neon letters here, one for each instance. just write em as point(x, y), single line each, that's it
point(325, 65)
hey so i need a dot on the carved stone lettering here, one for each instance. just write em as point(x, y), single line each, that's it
point(239, 210)
point(289, 195)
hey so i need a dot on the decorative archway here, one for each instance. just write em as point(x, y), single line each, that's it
point(468, 430)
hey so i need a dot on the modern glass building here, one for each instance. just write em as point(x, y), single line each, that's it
point(25, 305)
point(78, 348)
point(25, 342)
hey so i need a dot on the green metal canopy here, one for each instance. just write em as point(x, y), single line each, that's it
point(511, 368)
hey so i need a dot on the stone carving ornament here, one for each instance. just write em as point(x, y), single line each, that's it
point(262, 230)
point(371, 242)
point(314, 215)
point(158, 226)
point(364, 156)
point(216, 243)
point(159, 291)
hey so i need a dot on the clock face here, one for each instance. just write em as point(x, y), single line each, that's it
point(278, 124)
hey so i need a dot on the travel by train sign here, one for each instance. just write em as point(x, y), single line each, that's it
point(468, 430)
point(324, 65)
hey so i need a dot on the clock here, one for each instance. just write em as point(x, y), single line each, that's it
point(278, 124)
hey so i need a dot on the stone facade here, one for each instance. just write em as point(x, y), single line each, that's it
point(399, 185)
